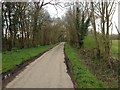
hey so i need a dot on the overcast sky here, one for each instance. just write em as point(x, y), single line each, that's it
point(61, 12)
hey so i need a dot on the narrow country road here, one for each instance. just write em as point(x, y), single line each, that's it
point(48, 71)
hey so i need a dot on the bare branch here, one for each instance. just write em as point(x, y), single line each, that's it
point(111, 6)
point(117, 29)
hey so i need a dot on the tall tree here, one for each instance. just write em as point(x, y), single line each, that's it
point(94, 27)
point(105, 11)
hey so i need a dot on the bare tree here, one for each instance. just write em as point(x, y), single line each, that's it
point(95, 32)
point(23, 23)
point(105, 11)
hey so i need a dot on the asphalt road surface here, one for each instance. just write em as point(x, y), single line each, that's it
point(48, 71)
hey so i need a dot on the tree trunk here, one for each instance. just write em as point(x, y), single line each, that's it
point(95, 32)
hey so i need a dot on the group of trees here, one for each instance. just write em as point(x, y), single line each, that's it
point(104, 11)
point(77, 22)
point(81, 15)
point(28, 24)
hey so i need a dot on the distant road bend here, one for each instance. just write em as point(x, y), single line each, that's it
point(48, 71)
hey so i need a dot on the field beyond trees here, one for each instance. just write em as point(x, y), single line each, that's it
point(90, 43)
point(87, 28)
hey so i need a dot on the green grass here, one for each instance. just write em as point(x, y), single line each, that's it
point(10, 59)
point(90, 43)
point(82, 76)
point(114, 48)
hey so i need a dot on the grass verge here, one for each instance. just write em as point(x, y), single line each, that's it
point(81, 75)
point(11, 59)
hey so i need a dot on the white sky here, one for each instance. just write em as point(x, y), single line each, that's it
point(60, 13)
point(56, 13)
point(53, 12)
point(115, 19)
